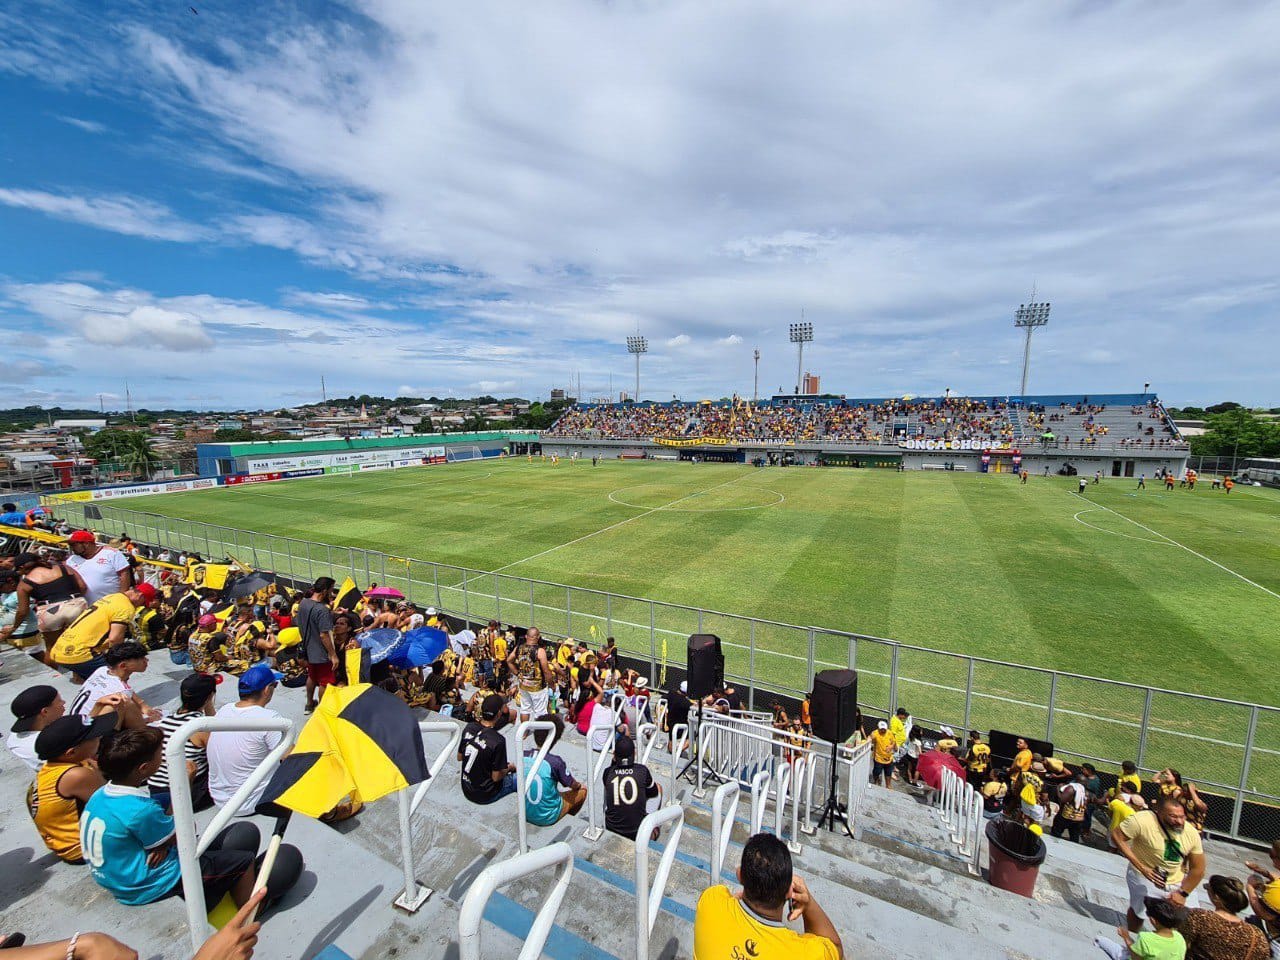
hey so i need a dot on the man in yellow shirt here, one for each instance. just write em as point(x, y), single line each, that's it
point(883, 747)
point(753, 922)
point(104, 624)
point(1166, 857)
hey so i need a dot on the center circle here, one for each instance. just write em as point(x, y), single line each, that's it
point(657, 496)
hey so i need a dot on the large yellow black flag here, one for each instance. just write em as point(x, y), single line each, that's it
point(348, 597)
point(361, 741)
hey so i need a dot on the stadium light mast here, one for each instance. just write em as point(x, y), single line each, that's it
point(755, 387)
point(1028, 316)
point(801, 333)
point(637, 345)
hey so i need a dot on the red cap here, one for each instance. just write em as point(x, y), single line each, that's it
point(82, 536)
point(147, 592)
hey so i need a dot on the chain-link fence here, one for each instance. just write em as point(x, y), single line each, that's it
point(1227, 748)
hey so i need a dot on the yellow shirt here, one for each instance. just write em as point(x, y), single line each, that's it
point(500, 648)
point(979, 758)
point(883, 745)
point(564, 654)
point(1120, 812)
point(899, 731)
point(87, 631)
point(725, 929)
point(1022, 761)
point(1148, 838)
point(57, 818)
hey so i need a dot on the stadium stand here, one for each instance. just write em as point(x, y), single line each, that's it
point(903, 887)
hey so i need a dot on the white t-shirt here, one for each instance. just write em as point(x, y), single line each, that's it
point(600, 727)
point(23, 746)
point(101, 572)
point(101, 683)
point(233, 756)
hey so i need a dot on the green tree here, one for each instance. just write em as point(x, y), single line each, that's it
point(234, 436)
point(1237, 432)
point(128, 450)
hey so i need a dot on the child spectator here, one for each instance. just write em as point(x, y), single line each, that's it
point(65, 781)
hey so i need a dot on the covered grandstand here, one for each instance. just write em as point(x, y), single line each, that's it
point(1121, 435)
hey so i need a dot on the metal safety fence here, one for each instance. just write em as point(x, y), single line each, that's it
point(1231, 749)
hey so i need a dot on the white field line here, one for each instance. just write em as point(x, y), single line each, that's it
point(1116, 533)
point(1194, 553)
point(613, 526)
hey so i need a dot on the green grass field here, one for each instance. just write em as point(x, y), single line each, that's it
point(1177, 590)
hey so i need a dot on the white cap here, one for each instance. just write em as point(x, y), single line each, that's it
point(948, 731)
point(642, 683)
point(684, 686)
point(431, 611)
point(882, 725)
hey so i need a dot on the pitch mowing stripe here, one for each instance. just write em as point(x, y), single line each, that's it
point(1175, 543)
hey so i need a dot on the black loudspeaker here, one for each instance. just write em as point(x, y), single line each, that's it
point(1004, 746)
point(706, 665)
point(833, 704)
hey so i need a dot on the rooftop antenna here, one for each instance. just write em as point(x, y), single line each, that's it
point(128, 400)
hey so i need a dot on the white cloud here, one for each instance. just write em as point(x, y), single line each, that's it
point(732, 340)
point(120, 214)
point(88, 126)
point(495, 386)
point(680, 340)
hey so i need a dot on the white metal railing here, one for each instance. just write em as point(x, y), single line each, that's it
point(649, 897)
point(799, 768)
point(523, 782)
point(189, 847)
point(859, 766)
point(596, 762)
point(722, 820)
point(783, 784)
point(503, 872)
point(679, 740)
point(415, 894)
point(759, 796)
point(960, 808)
point(646, 740)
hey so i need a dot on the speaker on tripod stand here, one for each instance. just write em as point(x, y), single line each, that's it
point(834, 707)
point(705, 669)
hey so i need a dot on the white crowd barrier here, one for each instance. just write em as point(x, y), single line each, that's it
point(649, 896)
point(499, 874)
point(960, 807)
point(525, 784)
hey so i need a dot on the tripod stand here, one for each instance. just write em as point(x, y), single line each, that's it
point(833, 810)
point(697, 752)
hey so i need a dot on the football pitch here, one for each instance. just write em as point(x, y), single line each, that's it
point(1175, 590)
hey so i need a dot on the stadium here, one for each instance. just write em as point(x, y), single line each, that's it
point(971, 559)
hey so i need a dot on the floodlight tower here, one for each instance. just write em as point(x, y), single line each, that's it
point(755, 389)
point(1029, 316)
point(637, 345)
point(801, 333)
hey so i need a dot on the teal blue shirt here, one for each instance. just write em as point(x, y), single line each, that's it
point(119, 826)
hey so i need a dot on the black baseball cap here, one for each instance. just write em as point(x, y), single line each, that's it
point(29, 703)
point(492, 705)
point(67, 732)
point(197, 687)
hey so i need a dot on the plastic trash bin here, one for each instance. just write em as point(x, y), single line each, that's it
point(1014, 857)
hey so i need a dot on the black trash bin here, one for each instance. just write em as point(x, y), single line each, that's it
point(1014, 856)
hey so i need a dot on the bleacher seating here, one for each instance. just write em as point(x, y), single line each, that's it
point(1074, 424)
point(899, 891)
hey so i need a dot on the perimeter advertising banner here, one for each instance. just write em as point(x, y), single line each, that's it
point(357, 458)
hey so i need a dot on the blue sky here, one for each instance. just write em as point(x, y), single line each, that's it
point(406, 197)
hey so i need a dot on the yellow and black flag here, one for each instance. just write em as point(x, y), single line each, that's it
point(361, 742)
point(349, 596)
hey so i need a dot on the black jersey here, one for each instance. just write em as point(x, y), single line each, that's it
point(484, 752)
point(626, 788)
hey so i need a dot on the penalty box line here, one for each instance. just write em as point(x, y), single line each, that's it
point(1167, 539)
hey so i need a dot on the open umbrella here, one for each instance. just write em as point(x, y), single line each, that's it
point(931, 764)
point(420, 647)
point(247, 586)
point(384, 593)
point(379, 642)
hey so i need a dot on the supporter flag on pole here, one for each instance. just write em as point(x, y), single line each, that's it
point(361, 741)
point(349, 596)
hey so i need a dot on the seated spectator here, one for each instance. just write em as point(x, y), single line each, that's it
point(112, 681)
point(994, 791)
point(595, 721)
point(105, 623)
point(35, 708)
point(437, 687)
point(678, 707)
point(195, 700)
point(545, 803)
point(130, 841)
point(628, 787)
point(759, 916)
point(203, 644)
point(1221, 933)
point(234, 755)
point(486, 775)
point(65, 781)
point(1164, 943)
